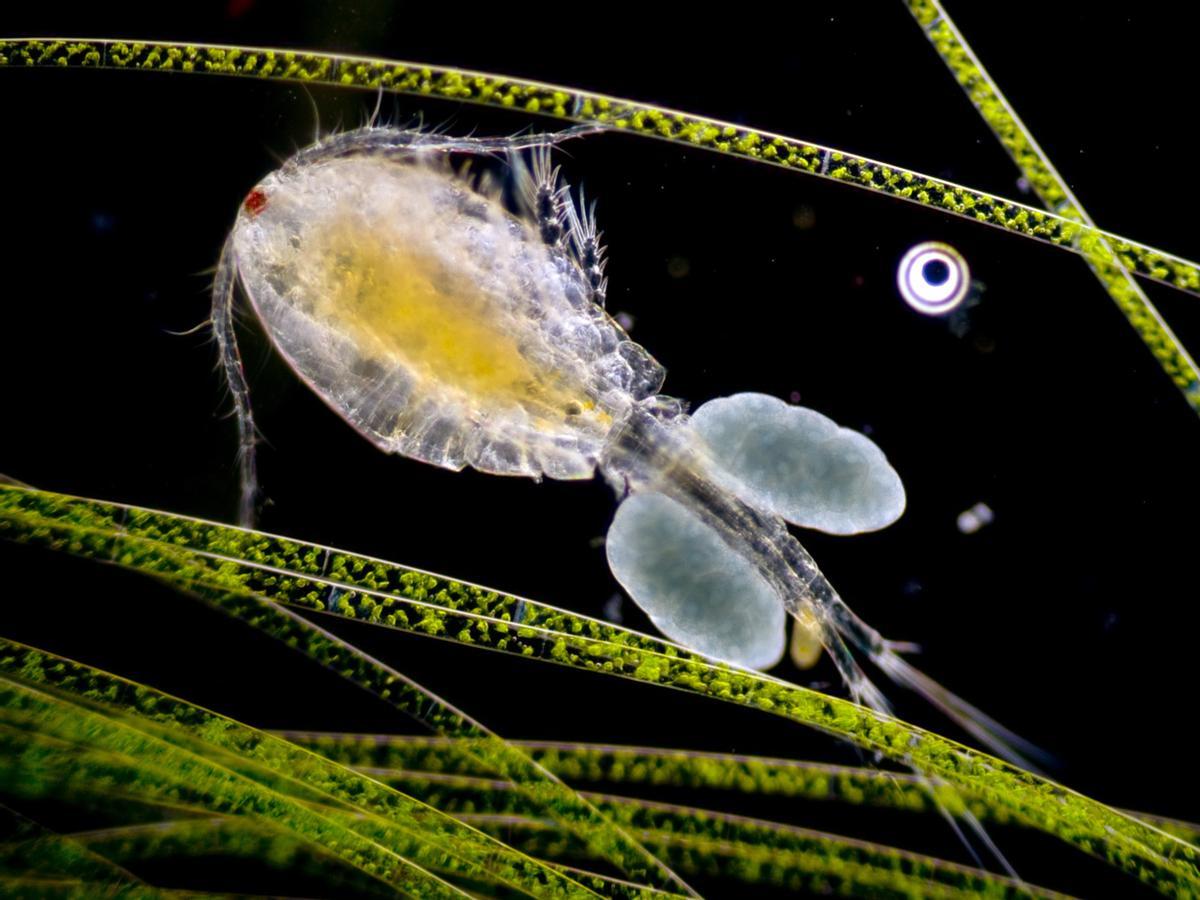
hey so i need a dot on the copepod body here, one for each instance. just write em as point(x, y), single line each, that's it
point(445, 326)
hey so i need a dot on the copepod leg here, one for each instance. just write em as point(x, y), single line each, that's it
point(224, 285)
point(563, 223)
point(544, 198)
point(586, 246)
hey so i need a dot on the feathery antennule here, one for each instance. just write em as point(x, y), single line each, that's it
point(390, 142)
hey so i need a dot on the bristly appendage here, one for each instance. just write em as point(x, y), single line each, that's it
point(585, 243)
point(564, 224)
point(541, 195)
point(224, 285)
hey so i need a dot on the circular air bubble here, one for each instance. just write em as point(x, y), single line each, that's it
point(933, 278)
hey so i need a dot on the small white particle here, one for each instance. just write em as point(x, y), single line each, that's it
point(971, 520)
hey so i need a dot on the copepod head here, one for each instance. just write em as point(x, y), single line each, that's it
point(431, 318)
point(255, 202)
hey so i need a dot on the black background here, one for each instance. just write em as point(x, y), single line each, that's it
point(1072, 617)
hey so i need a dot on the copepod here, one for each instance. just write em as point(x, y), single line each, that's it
point(448, 326)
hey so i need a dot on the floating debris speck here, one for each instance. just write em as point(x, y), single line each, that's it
point(971, 520)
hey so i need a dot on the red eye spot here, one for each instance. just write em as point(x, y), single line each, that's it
point(256, 202)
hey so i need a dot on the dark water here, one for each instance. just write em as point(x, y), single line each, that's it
point(1072, 617)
